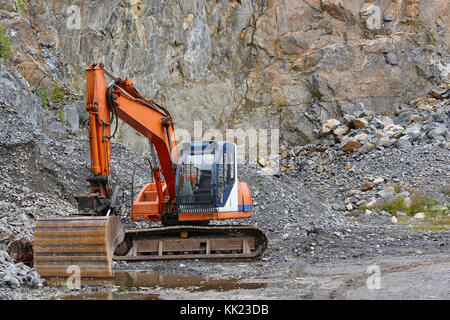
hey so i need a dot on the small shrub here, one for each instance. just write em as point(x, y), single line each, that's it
point(43, 95)
point(446, 191)
point(363, 206)
point(394, 206)
point(61, 114)
point(21, 5)
point(58, 95)
point(421, 202)
point(5, 45)
point(78, 89)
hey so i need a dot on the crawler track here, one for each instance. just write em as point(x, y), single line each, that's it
point(193, 242)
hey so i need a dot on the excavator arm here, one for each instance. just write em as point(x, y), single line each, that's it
point(105, 106)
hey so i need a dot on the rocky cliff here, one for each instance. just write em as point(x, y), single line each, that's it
point(287, 64)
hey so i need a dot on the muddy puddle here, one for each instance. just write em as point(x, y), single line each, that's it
point(135, 285)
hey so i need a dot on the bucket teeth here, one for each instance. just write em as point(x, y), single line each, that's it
point(64, 246)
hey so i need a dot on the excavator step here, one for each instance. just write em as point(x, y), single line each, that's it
point(193, 242)
point(64, 245)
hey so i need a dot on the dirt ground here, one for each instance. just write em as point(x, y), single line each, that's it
point(410, 277)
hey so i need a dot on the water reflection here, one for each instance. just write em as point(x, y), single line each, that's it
point(125, 284)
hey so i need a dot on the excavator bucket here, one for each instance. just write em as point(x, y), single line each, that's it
point(63, 246)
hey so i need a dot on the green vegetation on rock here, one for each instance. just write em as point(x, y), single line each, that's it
point(5, 45)
point(61, 114)
point(420, 202)
point(43, 95)
point(21, 5)
point(58, 94)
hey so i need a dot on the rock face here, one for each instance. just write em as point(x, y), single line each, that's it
point(284, 64)
point(15, 94)
point(38, 61)
point(326, 59)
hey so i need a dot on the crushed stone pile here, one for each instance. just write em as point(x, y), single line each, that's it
point(16, 275)
point(367, 159)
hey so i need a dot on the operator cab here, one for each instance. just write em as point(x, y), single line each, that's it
point(206, 178)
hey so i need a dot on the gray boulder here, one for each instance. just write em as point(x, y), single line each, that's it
point(377, 122)
point(15, 93)
point(413, 131)
point(387, 194)
point(403, 119)
point(57, 128)
point(404, 142)
point(72, 117)
point(437, 131)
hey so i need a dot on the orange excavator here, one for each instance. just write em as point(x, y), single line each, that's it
point(192, 184)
